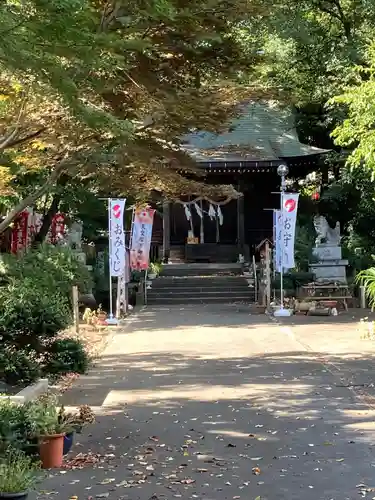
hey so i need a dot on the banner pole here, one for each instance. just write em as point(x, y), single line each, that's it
point(282, 172)
point(110, 257)
point(282, 249)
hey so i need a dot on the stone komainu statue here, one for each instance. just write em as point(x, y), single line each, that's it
point(325, 234)
point(75, 236)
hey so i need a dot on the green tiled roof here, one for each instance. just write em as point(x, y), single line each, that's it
point(264, 131)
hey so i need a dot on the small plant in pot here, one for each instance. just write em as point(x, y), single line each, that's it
point(153, 270)
point(74, 422)
point(101, 316)
point(43, 415)
point(18, 475)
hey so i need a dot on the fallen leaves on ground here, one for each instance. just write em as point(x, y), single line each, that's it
point(82, 460)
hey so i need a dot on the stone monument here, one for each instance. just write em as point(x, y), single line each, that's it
point(74, 241)
point(329, 266)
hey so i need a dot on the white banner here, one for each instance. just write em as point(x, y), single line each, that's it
point(285, 229)
point(277, 236)
point(116, 210)
point(289, 216)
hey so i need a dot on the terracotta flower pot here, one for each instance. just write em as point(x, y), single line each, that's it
point(23, 495)
point(102, 317)
point(51, 451)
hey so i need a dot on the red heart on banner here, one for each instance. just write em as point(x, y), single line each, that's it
point(117, 211)
point(290, 205)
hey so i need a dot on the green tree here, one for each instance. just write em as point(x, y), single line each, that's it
point(109, 87)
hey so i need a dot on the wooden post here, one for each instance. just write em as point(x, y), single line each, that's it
point(255, 279)
point(75, 308)
point(118, 298)
point(166, 231)
point(202, 224)
point(362, 297)
point(241, 224)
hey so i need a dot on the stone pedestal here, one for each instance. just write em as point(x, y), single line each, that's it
point(80, 256)
point(329, 266)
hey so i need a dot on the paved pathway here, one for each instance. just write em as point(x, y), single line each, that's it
point(212, 403)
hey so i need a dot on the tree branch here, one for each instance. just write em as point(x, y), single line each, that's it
point(5, 142)
point(339, 15)
point(27, 138)
point(31, 198)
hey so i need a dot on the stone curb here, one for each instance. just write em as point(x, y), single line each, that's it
point(29, 393)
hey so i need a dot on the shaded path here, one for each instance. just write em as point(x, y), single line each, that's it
point(212, 403)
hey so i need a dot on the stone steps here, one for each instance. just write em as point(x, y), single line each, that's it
point(200, 269)
point(201, 284)
point(152, 300)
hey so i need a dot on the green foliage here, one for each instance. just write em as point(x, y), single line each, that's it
point(14, 426)
point(31, 315)
point(357, 130)
point(155, 268)
point(54, 268)
point(18, 366)
point(350, 199)
point(293, 280)
point(66, 356)
point(43, 416)
point(366, 278)
point(35, 306)
point(18, 473)
point(304, 243)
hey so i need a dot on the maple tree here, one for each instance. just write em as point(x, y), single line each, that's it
point(105, 90)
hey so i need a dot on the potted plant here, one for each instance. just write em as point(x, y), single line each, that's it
point(101, 316)
point(67, 419)
point(43, 415)
point(153, 270)
point(18, 474)
point(74, 422)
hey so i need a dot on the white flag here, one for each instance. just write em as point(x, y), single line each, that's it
point(116, 237)
point(220, 215)
point(289, 219)
point(199, 211)
point(187, 212)
point(211, 212)
point(277, 225)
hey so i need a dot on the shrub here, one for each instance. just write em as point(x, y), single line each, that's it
point(51, 267)
point(30, 314)
point(66, 356)
point(18, 473)
point(15, 428)
point(366, 278)
point(18, 367)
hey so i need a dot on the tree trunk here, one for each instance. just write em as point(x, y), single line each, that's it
point(51, 212)
point(31, 198)
point(47, 221)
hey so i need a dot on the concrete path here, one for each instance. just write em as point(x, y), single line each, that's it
point(212, 403)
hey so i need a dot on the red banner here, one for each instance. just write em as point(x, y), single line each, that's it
point(57, 230)
point(28, 224)
point(141, 238)
point(20, 233)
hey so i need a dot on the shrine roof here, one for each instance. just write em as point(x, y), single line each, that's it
point(264, 132)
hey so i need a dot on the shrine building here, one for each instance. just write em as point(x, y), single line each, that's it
point(245, 156)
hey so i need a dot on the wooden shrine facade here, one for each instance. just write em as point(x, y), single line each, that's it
point(246, 156)
point(246, 221)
